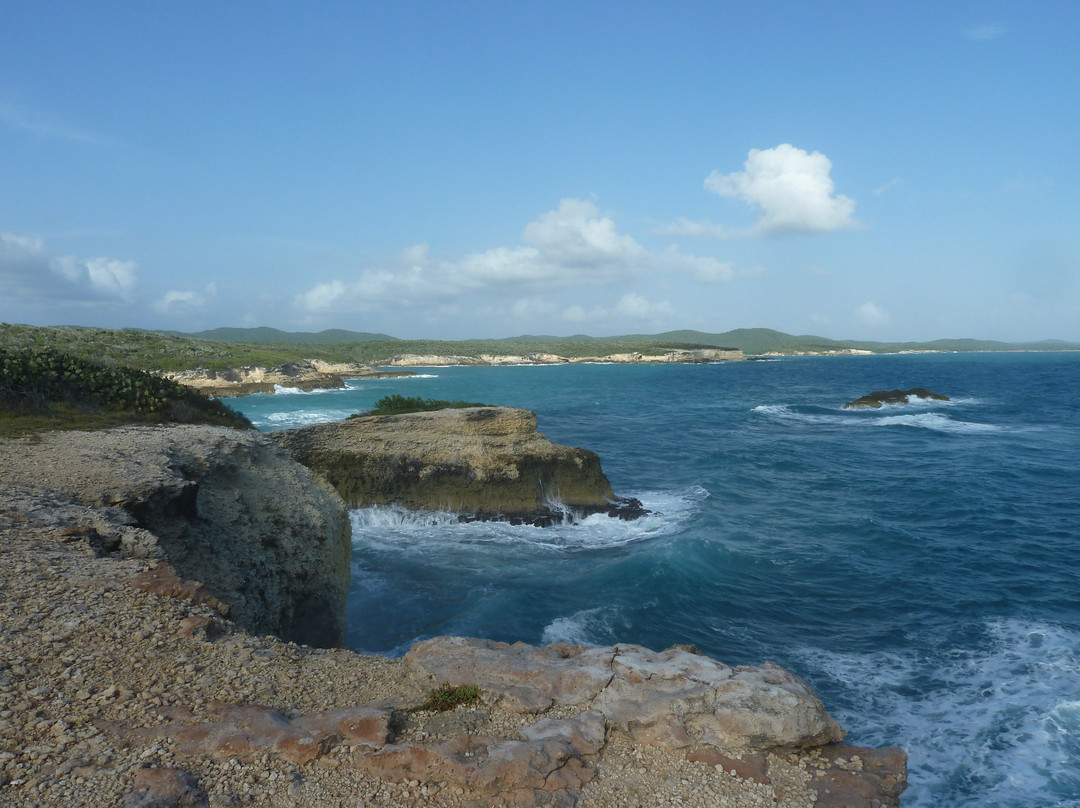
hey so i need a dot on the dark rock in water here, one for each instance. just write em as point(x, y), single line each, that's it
point(880, 397)
point(483, 463)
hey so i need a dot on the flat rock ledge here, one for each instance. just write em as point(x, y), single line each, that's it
point(880, 398)
point(303, 374)
point(479, 462)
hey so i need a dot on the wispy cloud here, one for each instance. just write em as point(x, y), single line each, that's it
point(41, 125)
point(872, 314)
point(573, 246)
point(884, 189)
point(985, 32)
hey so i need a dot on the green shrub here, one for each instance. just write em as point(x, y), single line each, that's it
point(58, 386)
point(397, 405)
point(448, 697)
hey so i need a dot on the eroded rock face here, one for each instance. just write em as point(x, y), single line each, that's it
point(673, 699)
point(881, 397)
point(226, 507)
point(485, 462)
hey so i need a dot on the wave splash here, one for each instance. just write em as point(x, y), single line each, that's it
point(997, 723)
point(935, 421)
point(403, 528)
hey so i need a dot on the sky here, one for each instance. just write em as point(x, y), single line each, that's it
point(455, 170)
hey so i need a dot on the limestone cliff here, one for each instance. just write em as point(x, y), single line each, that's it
point(304, 374)
point(675, 356)
point(484, 462)
point(225, 507)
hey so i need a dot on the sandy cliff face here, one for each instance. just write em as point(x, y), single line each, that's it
point(225, 507)
point(480, 461)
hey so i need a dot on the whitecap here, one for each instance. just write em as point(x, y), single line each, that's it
point(937, 422)
point(419, 531)
point(995, 724)
point(280, 390)
point(584, 627)
point(283, 420)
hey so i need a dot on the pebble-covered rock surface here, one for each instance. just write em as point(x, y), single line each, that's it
point(113, 694)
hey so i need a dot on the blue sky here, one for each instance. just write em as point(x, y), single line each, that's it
point(460, 169)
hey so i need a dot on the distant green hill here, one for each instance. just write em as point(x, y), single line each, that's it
point(755, 341)
point(272, 335)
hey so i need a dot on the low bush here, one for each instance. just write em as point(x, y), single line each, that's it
point(398, 404)
point(448, 697)
point(59, 390)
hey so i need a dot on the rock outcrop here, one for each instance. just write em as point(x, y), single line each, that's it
point(481, 462)
point(881, 397)
point(673, 699)
point(303, 374)
point(225, 507)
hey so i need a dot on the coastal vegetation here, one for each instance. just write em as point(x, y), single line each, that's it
point(221, 349)
point(48, 389)
point(449, 697)
point(399, 405)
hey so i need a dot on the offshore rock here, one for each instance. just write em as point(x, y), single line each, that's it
point(881, 397)
point(673, 699)
point(481, 462)
point(225, 507)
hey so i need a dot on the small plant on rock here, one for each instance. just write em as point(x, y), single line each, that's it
point(449, 697)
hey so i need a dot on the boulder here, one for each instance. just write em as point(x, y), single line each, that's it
point(881, 397)
point(224, 507)
point(481, 462)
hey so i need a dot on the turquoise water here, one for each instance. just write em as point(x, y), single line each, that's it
point(919, 565)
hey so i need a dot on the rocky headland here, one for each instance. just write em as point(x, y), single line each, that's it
point(161, 590)
point(303, 374)
point(480, 462)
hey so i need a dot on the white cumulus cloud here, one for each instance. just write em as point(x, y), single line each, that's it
point(792, 188)
point(28, 269)
point(572, 246)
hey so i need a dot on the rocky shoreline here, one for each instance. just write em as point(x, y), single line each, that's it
point(126, 683)
point(303, 374)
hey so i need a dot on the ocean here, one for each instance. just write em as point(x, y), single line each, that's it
point(919, 565)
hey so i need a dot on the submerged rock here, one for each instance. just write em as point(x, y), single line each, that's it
point(881, 397)
point(481, 462)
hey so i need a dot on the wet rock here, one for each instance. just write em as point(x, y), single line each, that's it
point(881, 397)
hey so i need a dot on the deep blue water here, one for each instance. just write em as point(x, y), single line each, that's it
point(919, 565)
